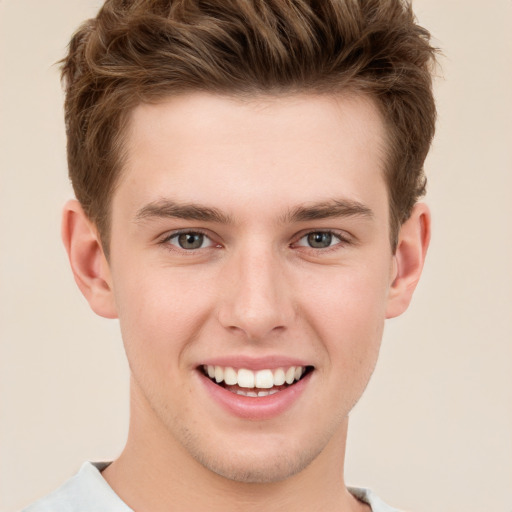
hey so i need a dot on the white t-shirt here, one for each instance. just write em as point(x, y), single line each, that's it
point(88, 491)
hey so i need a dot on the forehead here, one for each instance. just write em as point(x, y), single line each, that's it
point(207, 148)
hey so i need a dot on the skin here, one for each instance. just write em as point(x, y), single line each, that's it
point(255, 288)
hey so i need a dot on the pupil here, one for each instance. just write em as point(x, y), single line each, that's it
point(319, 240)
point(191, 240)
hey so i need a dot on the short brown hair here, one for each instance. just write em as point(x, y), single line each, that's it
point(138, 51)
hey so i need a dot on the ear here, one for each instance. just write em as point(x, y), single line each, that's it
point(88, 262)
point(413, 241)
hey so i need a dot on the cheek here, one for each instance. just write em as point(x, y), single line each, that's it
point(347, 297)
point(160, 312)
point(348, 314)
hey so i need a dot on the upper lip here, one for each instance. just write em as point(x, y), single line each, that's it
point(255, 363)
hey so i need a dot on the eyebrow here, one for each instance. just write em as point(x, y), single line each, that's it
point(166, 208)
point(328, 210)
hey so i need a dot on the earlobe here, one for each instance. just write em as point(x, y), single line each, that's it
point(413, 241)
point(88, 263)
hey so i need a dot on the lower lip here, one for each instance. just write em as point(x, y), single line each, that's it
point(256, 408)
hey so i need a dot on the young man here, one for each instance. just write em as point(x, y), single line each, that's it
point(247, 176)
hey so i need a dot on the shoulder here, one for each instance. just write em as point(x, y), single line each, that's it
point(368, 497)
point(84, 492)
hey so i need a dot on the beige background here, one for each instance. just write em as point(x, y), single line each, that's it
point(434, 430)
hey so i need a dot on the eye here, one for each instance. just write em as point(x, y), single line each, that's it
point(320, 240)
point(189, 240)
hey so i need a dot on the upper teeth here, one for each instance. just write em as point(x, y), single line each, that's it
point(245, 378)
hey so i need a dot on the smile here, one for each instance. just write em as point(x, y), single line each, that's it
point(258, 383)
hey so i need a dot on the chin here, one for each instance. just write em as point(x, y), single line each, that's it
point(261, 465)
point(268, 471)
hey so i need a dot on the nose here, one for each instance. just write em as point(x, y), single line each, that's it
point(257, 299)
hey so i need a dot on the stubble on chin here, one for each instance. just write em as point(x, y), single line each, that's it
point(251, 466)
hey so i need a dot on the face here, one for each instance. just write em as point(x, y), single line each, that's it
point(251, 269)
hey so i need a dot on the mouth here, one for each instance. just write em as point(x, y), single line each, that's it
point(260, 383)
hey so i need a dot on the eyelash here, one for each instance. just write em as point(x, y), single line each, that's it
point(175, 234)
point(343, 240)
